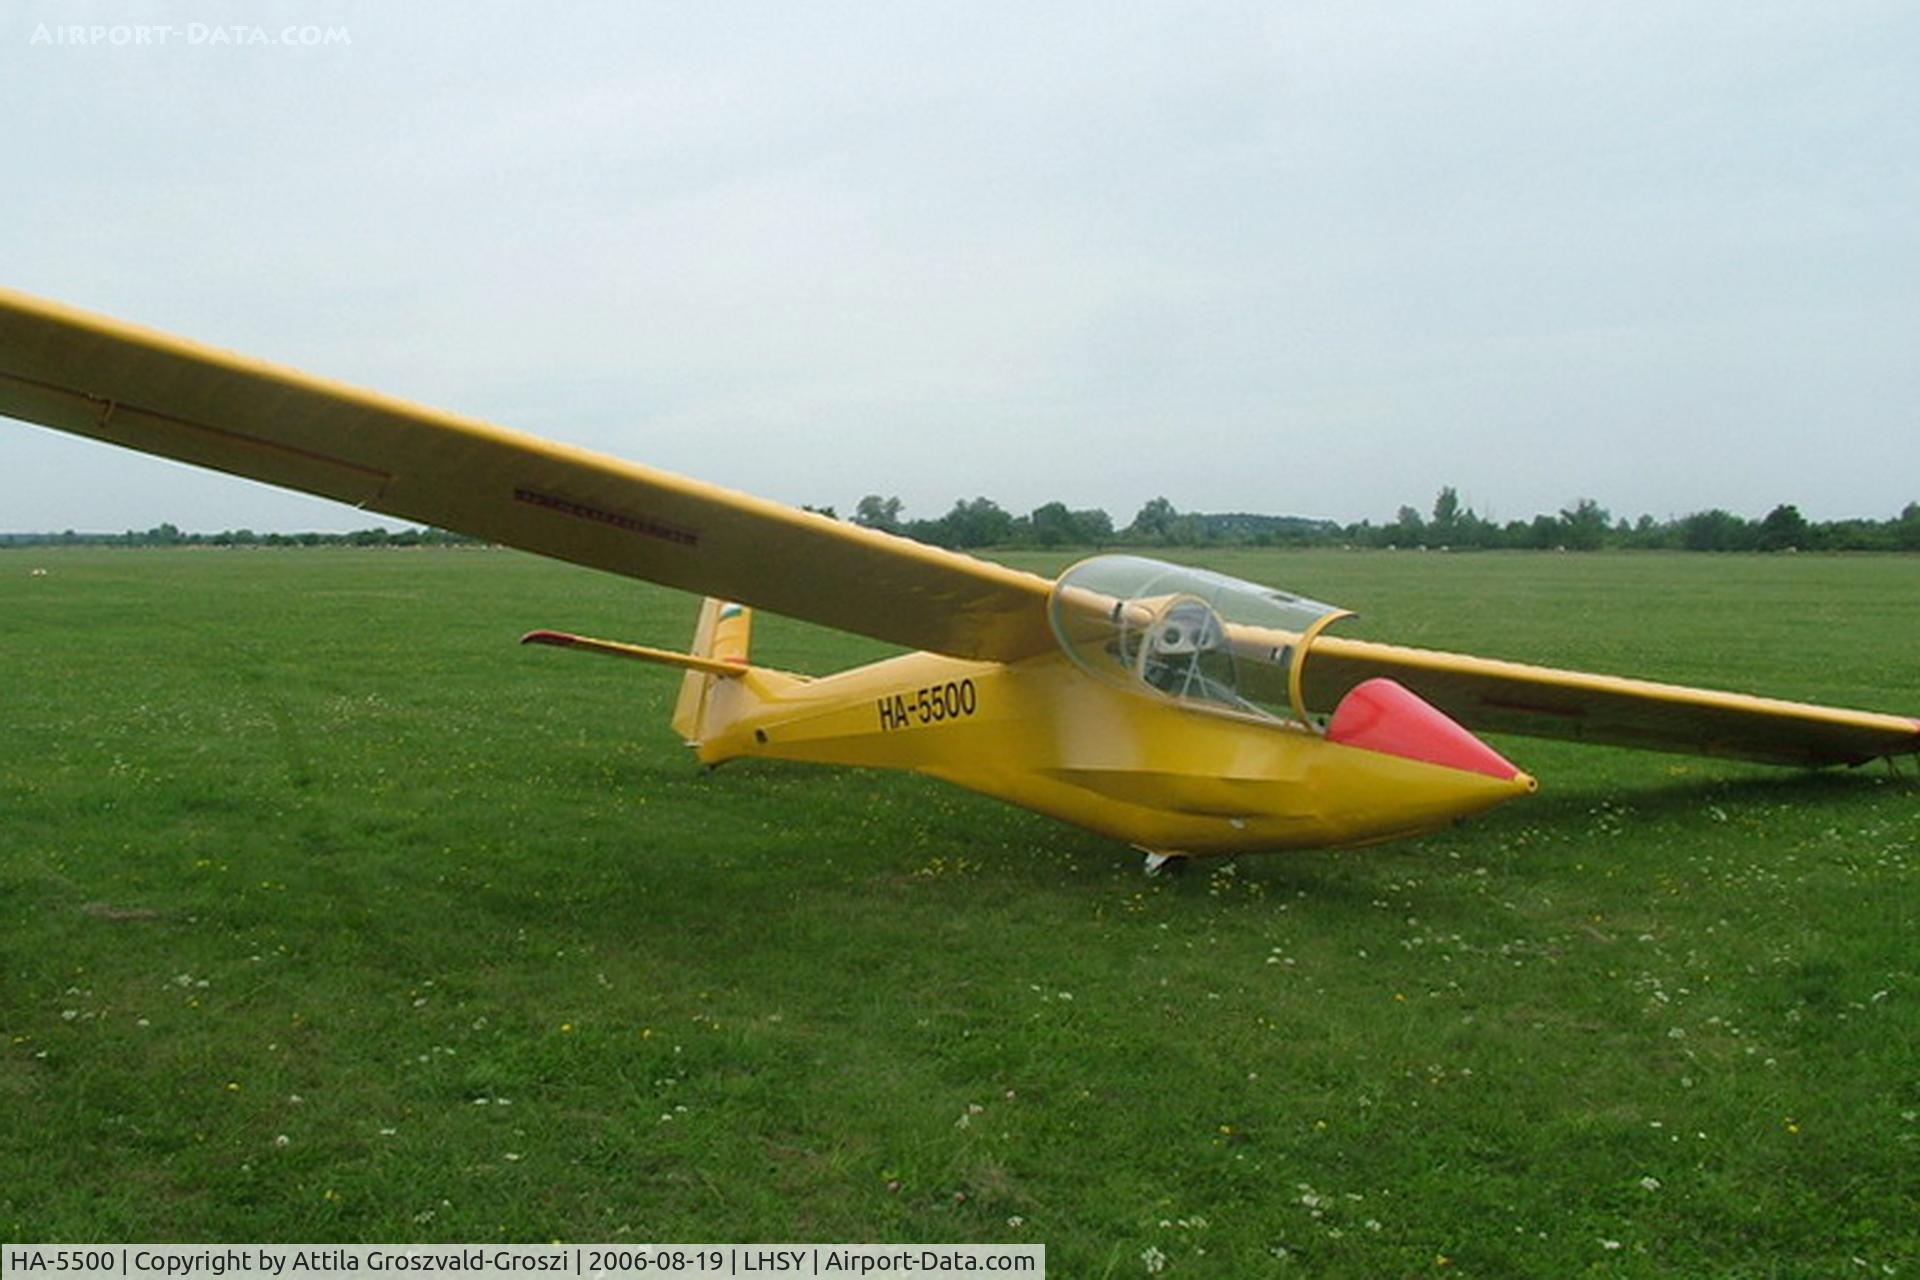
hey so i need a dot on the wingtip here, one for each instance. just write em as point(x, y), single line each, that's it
point(559, 638)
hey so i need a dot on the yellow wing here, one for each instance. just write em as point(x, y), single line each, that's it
point(94, 376)
point(1510, 697)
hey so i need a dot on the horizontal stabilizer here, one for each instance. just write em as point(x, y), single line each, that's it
point(640, 652)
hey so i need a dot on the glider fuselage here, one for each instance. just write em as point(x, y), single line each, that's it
point(1167, 778)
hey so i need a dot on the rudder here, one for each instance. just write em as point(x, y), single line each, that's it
point(723, 633)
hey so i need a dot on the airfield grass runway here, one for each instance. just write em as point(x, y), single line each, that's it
point(328, 913)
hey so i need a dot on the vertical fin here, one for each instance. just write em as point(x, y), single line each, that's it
point(732, 632)
point(724, 631)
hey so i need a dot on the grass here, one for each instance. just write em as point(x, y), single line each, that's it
point(328, 914)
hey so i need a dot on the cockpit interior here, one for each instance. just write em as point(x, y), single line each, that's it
point(1205, 639)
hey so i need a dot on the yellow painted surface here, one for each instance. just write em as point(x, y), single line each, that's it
point(1128, 765)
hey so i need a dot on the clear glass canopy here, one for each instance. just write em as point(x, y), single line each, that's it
point(1187, 634)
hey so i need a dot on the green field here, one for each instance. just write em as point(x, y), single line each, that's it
point(327, 913)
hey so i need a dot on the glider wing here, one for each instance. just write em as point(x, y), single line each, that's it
point(85, 373)
point(1510, 697)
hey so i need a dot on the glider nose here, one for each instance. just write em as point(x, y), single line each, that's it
point(1385, 716)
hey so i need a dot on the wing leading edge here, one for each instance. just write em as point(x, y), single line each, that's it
point(91, 375)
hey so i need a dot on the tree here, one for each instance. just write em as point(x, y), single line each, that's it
point(1715, 530)
point(979, 523)
point(1095, 525)
point(1585, 526)
point(876, 512)
point(1783, 529)
point(1646, 533)
point(1053, 525)
point(1906, 530)
point(1469, 530)
point(1456, 525)
point(1154, 523)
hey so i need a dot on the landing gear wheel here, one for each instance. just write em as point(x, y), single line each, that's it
point(1165, 864)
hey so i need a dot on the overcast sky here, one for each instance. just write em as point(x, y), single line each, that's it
point(1316, 258)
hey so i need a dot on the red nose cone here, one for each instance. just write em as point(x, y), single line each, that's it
point(1381, 715)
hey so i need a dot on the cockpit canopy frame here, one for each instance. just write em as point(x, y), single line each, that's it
point(1200, 638)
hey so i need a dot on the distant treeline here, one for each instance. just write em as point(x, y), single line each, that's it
point(166, 535)
point(981, 522)
point(1586, 526)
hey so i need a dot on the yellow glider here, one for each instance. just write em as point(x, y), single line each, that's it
point(1178, 710)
